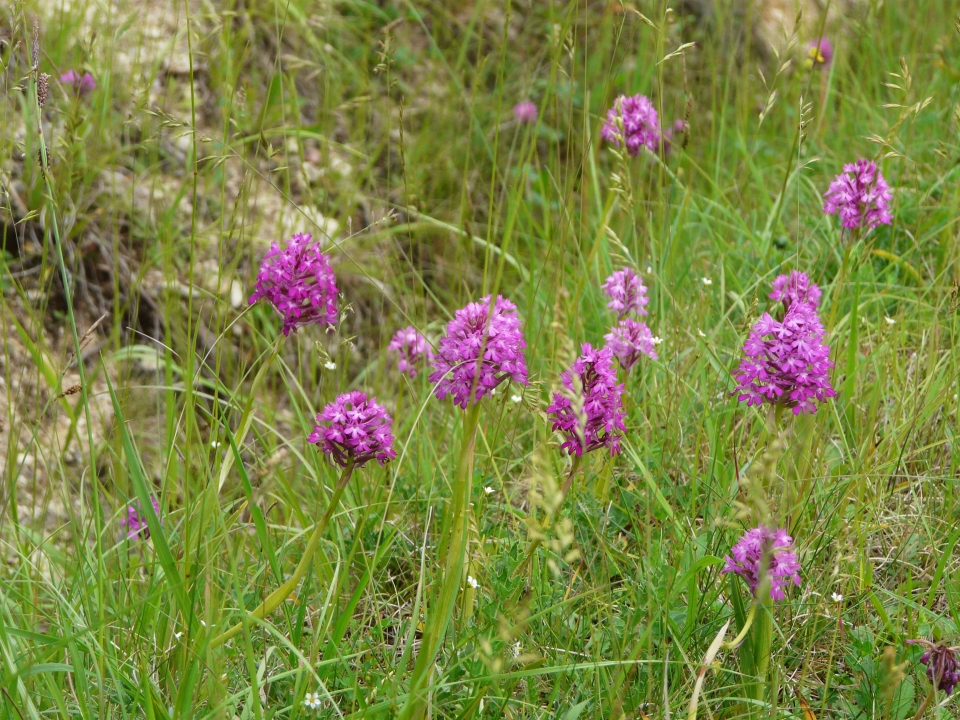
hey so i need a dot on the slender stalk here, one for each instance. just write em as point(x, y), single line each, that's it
point(926, 703)
point(438, 616)
point(274, 599)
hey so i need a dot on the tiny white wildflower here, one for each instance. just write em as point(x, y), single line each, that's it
point(472, 582)
point(656, 340)
point(312, 700)
point(330, 365)
point(488, 490)
point(701, 333)
point(649, 270)
point(516, 649)
point(516, 398)
point(837, 598)
point(178, 635)
point(890, 320)
point(215, 444)
point(706, 281)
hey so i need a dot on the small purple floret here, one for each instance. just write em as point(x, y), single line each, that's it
point(795, 287)
point(629, 340)
point(82, 84)
point(641, 125)
point(413, 349)
point(525, 112)
point(860, 196)
point(299, 282)
point(590, 414)
point(354, 427)
point(747, 556)
point(627, 293)
point(480, 349)
point(786, 362)
point(136, 522)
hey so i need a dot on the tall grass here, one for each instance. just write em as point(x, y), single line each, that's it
point(219, 127)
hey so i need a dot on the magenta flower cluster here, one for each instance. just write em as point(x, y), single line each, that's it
point(641, 124)
point(795, 287)
point(860, 196)
point(627, 293)
point(82, 84)
point(630, 339)
point(354, 428)
point(482, 348)
point(299, 282)
point(412, 348)
point(787, 362)
point(590, 414)
point(525, 112)
point(746, 560)
point(136, 523)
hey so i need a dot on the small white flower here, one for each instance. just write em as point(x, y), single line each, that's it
point(312, 700)
point(488, 490)
point(706, 281)
point(330, 365)
point(649, 270)
point(656, 341)
point(701, 333)
point(516, 399)
point(215, 444)
point(516, 649)
point(178, 635)
point(890, 320)
point(472, 582)
point(837, 598)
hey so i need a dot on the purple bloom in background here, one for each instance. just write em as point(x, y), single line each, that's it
point(136, 523)
point(679, 127)
point(627, 293)
point(943, 667)
point(83, 84)
point(786, 361)
point(860, 196)
point(525, 112)
point(819, 55)
point(354, 427)
point(795, 287)
point(480, 348)
point(590, 415)
point(413, 349)
point(641, 126)
point(630, 339)
point(748, 556)
point(299, 282)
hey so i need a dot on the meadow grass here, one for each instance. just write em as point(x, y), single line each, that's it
point(387, 128)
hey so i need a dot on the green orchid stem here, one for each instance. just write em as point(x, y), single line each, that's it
point(567, 484)
point(441, 610)
point(762, 640)
point(276, 598)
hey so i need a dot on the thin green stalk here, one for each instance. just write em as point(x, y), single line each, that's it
point(274, 599)
point(438, 616)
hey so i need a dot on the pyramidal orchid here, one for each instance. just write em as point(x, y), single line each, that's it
point(354, 429)
point(860, 196)
point(640, 124)
point(483, 347)
point(299, 282)
point(627, 293)
point(136, 523)
point(589, 414)
point(629, 340)
point(787, 362)
point(412, 348)
point(795, 287)
point(746, 560)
